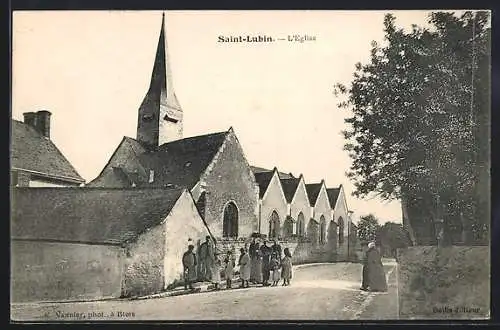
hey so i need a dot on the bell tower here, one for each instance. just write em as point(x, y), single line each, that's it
point(160, 115)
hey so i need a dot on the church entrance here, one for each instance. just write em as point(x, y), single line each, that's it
point(230, 222)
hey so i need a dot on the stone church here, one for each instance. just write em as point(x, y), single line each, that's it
point(124, 232)
point(234, 198)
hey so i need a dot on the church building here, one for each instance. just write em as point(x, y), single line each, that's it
point(212, 167)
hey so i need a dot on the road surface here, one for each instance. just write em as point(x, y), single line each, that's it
point(317, 292)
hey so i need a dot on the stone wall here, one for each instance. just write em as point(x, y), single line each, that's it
point(229, 178)
point(444, 283)
point(52, 271)
point(144, 271)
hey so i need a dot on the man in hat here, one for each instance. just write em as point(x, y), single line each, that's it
point(189, 264)
point(266, 259)
point(206, 256)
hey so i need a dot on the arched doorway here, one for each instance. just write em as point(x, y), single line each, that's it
point(301, 226)
point(274, 225)
point(230, 222)
point(322, 230)
point(341, 231)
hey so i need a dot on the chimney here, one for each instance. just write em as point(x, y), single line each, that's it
point(43, 122)
point(30, 119)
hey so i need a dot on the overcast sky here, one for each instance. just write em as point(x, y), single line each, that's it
point(92, 70)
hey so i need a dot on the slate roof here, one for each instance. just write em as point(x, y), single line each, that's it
point(32, 151)
point(289, 187)
point(263, 179)
point(181, 163)
point(313, 190)
point(175, 164)
point(333, 194)
point(88, 215)
point(282, 175)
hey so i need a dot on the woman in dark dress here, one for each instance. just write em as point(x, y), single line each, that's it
point(373, 271)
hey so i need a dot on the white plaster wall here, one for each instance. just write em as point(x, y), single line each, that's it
point(300, 203)
point(274, 200)
point(183, 223)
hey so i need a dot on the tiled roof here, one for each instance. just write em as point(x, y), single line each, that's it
point(289, 187)
point(88, 215)
point(34, 152)
point(313, 190)
point(263, 179)
point(333, 194)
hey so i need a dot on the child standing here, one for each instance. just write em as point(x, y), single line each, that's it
point(286, 267)
point(216, 270)
point(274, 265)
point(229, 268)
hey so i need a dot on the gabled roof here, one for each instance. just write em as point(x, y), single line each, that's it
point(31, 151)
point(178, 163)
point(333, 194)
point(282, 175)
point(181, 163)
point(313, 190)
point(263, 179)
point(289, 187)
point(88, 215)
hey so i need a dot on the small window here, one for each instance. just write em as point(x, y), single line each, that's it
point(188, 164)
point(151, 176)
point(147, 117)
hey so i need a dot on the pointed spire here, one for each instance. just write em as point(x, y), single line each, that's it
point(161, 78)
point(160, 114)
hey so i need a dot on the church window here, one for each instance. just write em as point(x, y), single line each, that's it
point(151, 176)
point(274, 225)
point(341, 230)
point(230, 221)
point(300, 225)
point(322, 230)
point(147, 117)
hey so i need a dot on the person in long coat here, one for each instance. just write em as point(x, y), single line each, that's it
point(229, 268)
point(244, 264)
point(266, 259)
point(189, 263)
point(252, 250)
point(216, 268)
point(258, 265)
point(375, 275)
point(286, 267)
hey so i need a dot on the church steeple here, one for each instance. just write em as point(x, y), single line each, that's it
point(160, 115)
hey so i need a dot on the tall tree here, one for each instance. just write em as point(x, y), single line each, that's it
point(420, 124)
point(368, 228)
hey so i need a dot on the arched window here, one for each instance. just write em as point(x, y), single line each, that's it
point(322, 230)
point(341, 230)
point(301, 225)
point(274, 225)
point(230, 222)
point(288, 227)
point(332, 233)
point(312, 231)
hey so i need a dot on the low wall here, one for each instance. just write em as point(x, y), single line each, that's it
point(444, 283)
point(52, 271)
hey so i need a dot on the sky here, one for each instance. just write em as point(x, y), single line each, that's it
point(92, 70)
